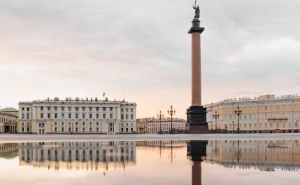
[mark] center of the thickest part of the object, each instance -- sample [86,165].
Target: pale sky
[140,50]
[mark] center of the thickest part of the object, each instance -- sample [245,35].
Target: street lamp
[160,116]
[216,116]
[171,112]
[238,112]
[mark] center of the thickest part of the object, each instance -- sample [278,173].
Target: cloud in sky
[71,48]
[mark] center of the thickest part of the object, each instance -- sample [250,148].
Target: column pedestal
[196,120]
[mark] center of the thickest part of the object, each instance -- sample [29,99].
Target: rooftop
[9,109]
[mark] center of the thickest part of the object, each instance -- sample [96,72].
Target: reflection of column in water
[196,173]
[196,151]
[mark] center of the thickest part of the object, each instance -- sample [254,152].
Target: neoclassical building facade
[8,122]
[77,116]
[264,114]
[154,125]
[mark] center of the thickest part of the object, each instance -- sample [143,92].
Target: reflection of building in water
[166,143]
[79,155]
[8,150]
[196,152]
[263,155]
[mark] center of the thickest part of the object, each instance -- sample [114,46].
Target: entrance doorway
[41,128]
[111,128]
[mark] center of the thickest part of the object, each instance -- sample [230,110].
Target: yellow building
[264,114]
[141,125]
[8,122]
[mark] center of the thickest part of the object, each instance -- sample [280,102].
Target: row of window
[79,108]
[261,116]
[261,107]
[76,116]
[266,125]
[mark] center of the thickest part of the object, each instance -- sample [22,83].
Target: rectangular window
[70,115]
[110,116]
[48,115]
[104,108]
[55,115]
[42,108]
[62,109]
[97,108]
[104,116]
[122,117]
[42,115]
[83,116]
[91,116]
[70,108]
[97,116]
[131,110]
[83,108]
[122,110]
[91,108]
[76,116]
[126,116]
[111,108]
[131,116]
[76,108]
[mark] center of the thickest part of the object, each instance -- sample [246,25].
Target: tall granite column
[196,114]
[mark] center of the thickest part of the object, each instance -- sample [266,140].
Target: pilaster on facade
[77,116]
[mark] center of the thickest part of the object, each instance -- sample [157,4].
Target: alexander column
[196,114]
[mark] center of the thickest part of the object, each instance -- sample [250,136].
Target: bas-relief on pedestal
[196,114]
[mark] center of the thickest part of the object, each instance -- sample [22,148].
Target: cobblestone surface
[16,138]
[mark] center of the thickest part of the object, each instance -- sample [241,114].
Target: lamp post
[216,116]
[171,112]
[160,116]
[238,112]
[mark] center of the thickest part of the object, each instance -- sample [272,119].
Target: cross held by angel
[197,10]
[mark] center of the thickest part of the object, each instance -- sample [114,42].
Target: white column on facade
[94,112]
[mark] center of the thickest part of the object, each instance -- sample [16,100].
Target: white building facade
[89,116]
[154,125]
